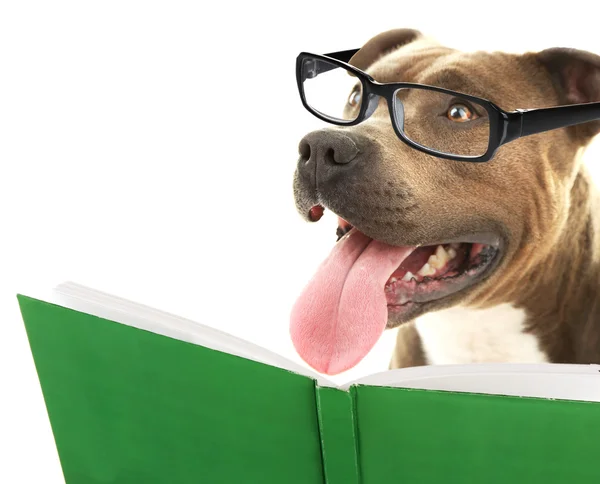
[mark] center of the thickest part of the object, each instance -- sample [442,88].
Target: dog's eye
[461,113]
[355,97]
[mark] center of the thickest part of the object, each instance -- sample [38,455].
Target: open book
[136,395]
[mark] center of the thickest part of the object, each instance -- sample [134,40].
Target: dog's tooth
[441,252]
[393,279]
[451,253]
[408,276]
[439,259]
[433,261]
[426,270]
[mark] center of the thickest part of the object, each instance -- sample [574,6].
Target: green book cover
[135,395]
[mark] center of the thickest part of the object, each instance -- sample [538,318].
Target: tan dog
[532,210]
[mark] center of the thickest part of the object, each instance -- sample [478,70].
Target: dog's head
[479,227]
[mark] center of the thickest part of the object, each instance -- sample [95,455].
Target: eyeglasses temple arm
[539,120]
[344,55]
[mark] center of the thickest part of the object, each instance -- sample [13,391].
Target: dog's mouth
[367,285]
[432,272]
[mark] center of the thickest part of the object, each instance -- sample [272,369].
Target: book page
[113,308]
[554,381]
[570,382]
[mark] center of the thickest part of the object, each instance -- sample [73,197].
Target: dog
[528,219]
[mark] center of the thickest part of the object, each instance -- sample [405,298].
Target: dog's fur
[535,196]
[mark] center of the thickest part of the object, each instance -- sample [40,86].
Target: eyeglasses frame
[504,126]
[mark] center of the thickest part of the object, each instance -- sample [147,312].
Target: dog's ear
[576,76]
[381,44]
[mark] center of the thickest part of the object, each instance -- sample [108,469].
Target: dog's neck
[561,292]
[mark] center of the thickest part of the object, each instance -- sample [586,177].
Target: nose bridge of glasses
[378,92]
[385,92]
[373,101]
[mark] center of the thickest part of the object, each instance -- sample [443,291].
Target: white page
[113,308]
[571,382]
[556,381]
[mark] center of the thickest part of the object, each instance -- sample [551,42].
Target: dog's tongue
[342,312]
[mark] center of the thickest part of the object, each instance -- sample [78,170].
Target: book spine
[338,432]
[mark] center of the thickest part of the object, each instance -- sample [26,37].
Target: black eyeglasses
[437,121]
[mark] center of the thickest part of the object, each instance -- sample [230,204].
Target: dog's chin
[438,275]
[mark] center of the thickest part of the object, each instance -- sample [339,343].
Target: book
[136,395]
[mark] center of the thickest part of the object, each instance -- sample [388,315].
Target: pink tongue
[342,312]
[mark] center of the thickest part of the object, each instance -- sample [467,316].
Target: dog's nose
[327,147]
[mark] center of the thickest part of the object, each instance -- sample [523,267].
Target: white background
[147,149]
